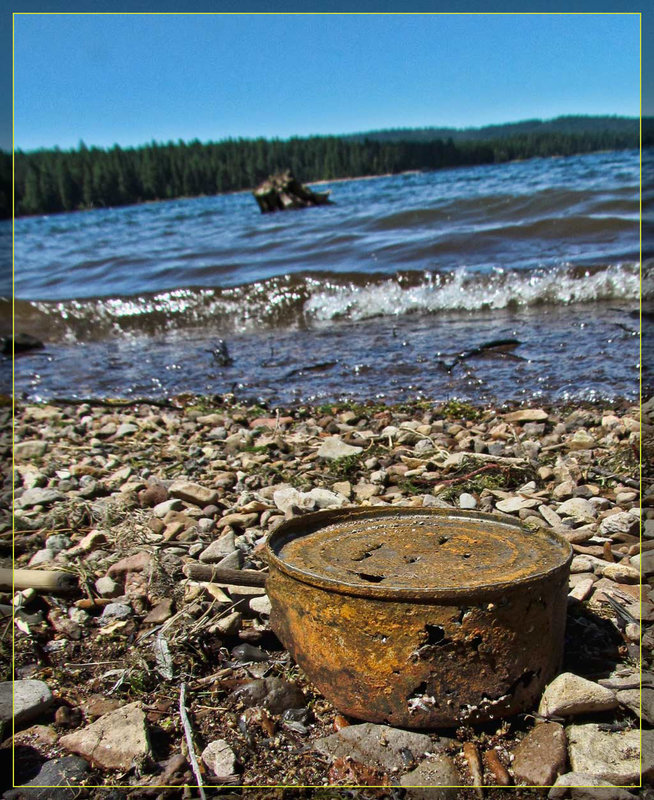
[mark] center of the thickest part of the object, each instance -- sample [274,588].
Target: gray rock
[30,698]
[44,556]
[611,755]
[161,509]
[275,694]
[220,758]
[219,548]
[582,786]
[620,523]
[38,497]
[116,611]
[57,542]
[334,447]
[261,605]
[541,756]
[512,505]
[32,448]
[569,694]
[579,508]
[290,500]
[232,561]
[642,704]
[118,740]
[58,779]
[376,746]
[467,501]
[324,498]
[437,771]
[621,573]
[229,625]
[125,429]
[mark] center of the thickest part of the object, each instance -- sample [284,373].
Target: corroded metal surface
[420,618]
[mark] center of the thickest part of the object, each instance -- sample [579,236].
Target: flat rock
[219,548]
[621,573]
[118,740]
[643,706]
[378,746]
[192,493]
[579,508]
[334,447]
[326,499]
[611,755]
[134,563]
[38,497]
[220,758]
[433,779]
[621,523]
[541,756]
[30,699]
[466,500]
[569,694]
[582,786]
[275,694]
[58,779]
[31,448]
[513,504]
[526,415]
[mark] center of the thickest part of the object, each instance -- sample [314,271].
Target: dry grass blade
[188,733]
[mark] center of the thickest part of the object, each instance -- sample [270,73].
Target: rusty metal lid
[414,553]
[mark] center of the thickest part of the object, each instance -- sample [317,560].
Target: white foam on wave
[464,290]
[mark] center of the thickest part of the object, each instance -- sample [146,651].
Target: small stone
[334,447]
[275,694]
[57,779]
[435,778]
[511,505]
[582,589]
[29,449]
[642,704]
[219,548]
[563,490]
[582,786]
[581,440]
[107,587]
[246,652]
[611,755]
[116,611]
[219,757]
[160,613]
[326,499]
[378,746]
[44,556]
[467,501]
[344,488]
[31,699]
[118,740]
[526,415]
[617,524]
[153,495]
[569,694]
[134,563]
[290,500]
[622,573]
[125,429]
[161,509]
[229,625]
[192,493]
[261,605]
[38,497]
[541,756]
[577,507]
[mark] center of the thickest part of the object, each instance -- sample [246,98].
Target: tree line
[54,180]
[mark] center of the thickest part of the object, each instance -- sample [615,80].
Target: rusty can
[420,617]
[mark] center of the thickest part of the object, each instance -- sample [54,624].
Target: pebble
[541,756]
[29,449]
[31,699]
[622,573]
[621,523]
[570,694]
[579,508]
[611,755]
[435,778]
[247,652]
[107,587]
[334,448]
[117,740]
[219,548]
[38,497]
[275,694]
[219,757]
[377,746]
[467,501]
[583,786]
[116,611]
[57,779]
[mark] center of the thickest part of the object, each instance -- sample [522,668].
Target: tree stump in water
[283,191]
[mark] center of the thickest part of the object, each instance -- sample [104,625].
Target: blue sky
[129,79]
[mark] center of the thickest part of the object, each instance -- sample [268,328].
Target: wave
[311,299]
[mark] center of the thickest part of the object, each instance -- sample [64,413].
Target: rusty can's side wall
[425,664]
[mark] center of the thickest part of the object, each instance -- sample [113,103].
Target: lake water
[373,297]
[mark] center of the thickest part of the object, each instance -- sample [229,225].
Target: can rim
[307,524]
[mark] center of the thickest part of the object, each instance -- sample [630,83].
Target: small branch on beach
[39,579]
[188,733]
[216,574]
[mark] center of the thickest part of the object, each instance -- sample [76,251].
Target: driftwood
[41,580]
[216,574]
[283,191]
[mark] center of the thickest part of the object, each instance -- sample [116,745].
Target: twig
[458,479]
[188,733]
[240,577]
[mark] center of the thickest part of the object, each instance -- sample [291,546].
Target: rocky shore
[131,674]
